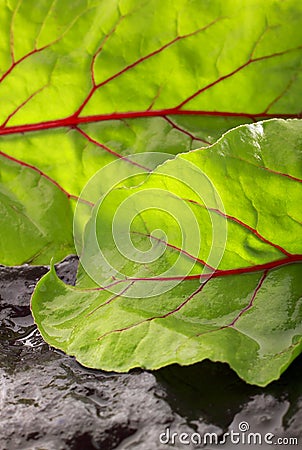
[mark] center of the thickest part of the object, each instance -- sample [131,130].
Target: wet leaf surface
[49,401]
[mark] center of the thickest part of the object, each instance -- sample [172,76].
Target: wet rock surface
[49,402]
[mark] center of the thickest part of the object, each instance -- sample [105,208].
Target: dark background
[49,402]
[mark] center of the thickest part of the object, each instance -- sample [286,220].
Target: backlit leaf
[222,280]
[84,85]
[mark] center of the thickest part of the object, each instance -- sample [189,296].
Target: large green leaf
[83,85]
[35,216]
[221,280]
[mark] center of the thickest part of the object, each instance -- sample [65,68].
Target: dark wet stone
[49,402]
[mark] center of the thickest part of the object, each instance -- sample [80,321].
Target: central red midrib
[73,121]
[181,305]
[221,273]
[290,257]
[216,274]
[197,291]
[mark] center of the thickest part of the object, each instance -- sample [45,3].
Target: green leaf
[35,216]
[201,260]
[83,86]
